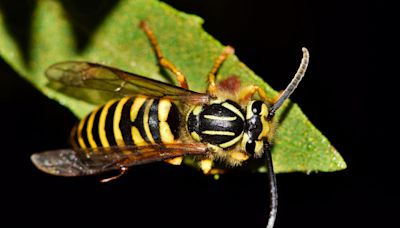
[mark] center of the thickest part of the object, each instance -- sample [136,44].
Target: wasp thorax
[256,127]
[219,123]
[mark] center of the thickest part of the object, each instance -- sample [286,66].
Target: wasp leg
[122,170]
[248,92]
[212,86]
[161,59]
[174,161]
[206,165]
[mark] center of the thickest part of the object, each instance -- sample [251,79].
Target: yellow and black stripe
[220,123]
[129,121]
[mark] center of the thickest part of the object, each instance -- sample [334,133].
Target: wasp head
[257,127]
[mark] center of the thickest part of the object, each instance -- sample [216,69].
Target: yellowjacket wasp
[147,121]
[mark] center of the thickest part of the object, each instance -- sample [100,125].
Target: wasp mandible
[148,120]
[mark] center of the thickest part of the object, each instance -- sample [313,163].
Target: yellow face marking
[258,148]
[165,133]
[146,121]
[102,124]
[117,118]
[137,138]
[223,118]
[249,112]
[231,142]
[90,127]
[233,109]
[210,132]
[195,136]
[163,110]
[264,122]
[80,139]
[265,129]
[137,104]
[264,110]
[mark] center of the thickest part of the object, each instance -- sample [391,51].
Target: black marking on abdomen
[139,122]
[125,124]
[109,125]
[74,138]
[174,120]
[84,132]
[154,122]
[95,128]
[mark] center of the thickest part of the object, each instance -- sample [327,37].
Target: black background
[342,95]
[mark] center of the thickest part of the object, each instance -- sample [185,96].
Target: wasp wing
[98,84]
[82,162]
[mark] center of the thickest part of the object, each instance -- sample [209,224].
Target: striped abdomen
[129,121]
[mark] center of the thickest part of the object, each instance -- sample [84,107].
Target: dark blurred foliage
[344,94]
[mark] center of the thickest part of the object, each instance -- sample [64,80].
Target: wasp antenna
[273,189]
[293,84]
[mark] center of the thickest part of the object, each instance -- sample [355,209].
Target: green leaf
[118,42]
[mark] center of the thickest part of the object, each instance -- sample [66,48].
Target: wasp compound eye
[250,147]
[145,121]
[257,107]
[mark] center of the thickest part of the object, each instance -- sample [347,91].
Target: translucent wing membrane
[83,162]
[98,84]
